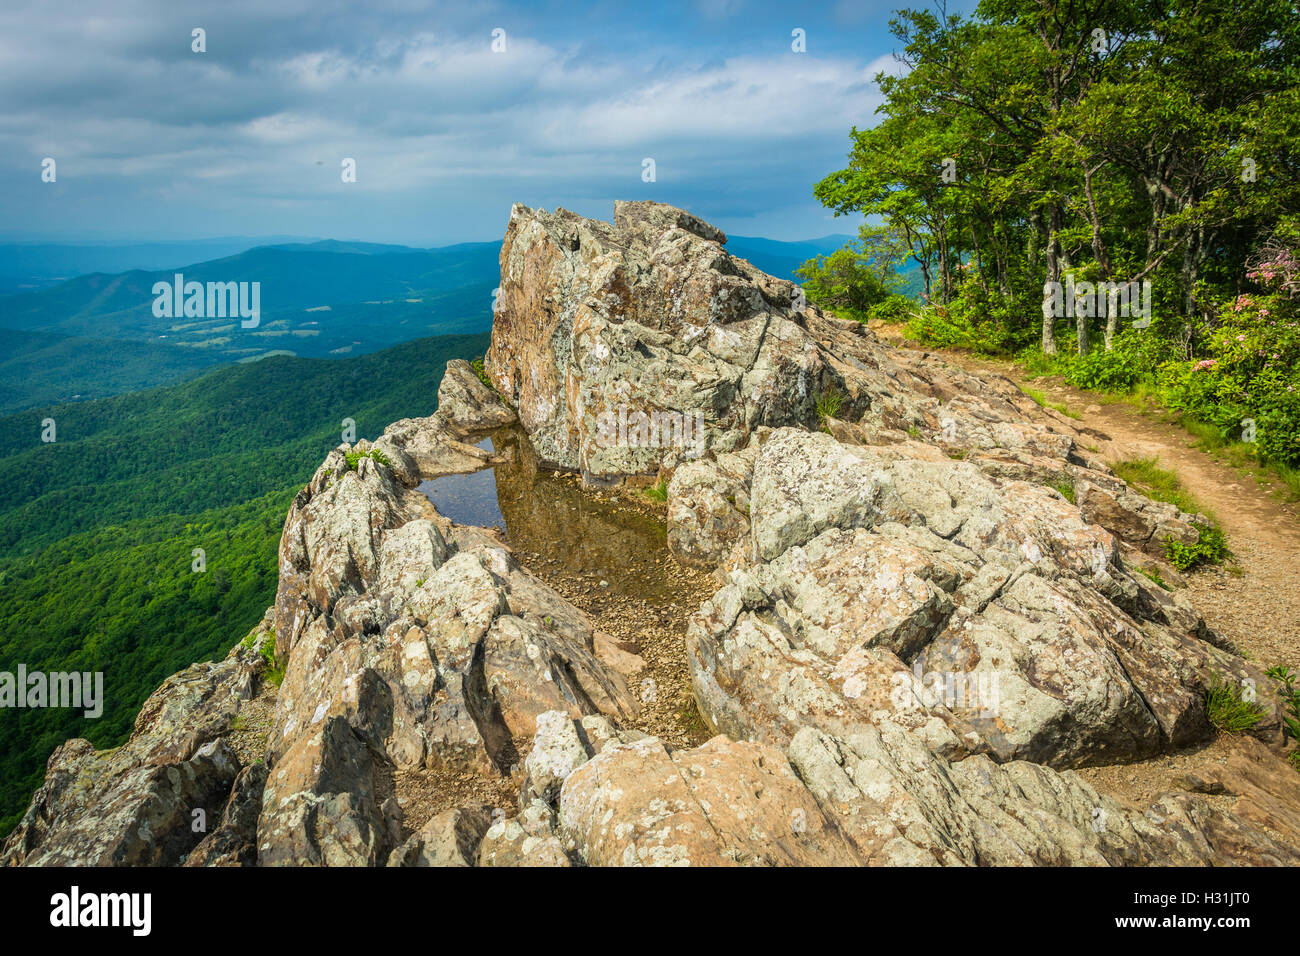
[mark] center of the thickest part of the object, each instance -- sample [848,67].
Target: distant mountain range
[96,334]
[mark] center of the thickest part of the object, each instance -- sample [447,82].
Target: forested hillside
[1042,162]
[100,527]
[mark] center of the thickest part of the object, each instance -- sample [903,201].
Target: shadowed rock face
[912,637]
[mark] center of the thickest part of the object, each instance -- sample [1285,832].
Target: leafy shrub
[1251,372]
[1210,548]
[1291,701]
[894,309]
[1132,358]
[844,282]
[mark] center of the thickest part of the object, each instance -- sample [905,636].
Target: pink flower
[1241,338]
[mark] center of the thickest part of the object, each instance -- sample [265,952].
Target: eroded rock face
[598,325]
[135,805]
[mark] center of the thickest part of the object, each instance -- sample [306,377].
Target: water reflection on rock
[575,532]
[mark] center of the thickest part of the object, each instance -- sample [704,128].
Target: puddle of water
[574,532]
[468,499]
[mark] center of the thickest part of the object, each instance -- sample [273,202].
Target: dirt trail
[1257,606]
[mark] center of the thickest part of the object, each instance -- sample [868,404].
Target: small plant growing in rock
[657,492]
[1154,576]
[1291,701]
[1210,548]
[828,403]
[274,672]
[375,455]
[1066,488]
[481,371]
[1226,709]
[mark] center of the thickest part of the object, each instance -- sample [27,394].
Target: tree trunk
[1053,276]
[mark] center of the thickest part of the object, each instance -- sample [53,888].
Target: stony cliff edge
[913,639]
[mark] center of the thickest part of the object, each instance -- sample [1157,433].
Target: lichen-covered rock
[469,404]
[136,805]
[726,803]
[450,838]
[1028,637]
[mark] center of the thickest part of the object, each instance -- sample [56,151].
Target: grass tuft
[1226,709]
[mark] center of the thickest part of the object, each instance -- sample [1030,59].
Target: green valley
[98,529]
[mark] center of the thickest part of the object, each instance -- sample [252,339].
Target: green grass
[1241,455]
[1226,709]
[657,492]
[1154,575]
[1066,488]
[829,403]
[1041,399]
[1160,484]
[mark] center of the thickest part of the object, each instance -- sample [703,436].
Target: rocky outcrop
[148,802]
[914,636]
[888,587]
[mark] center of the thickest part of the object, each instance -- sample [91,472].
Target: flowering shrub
[1251,375]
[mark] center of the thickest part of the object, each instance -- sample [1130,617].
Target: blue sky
[155,141]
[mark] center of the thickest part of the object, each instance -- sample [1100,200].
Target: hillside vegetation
[100,527]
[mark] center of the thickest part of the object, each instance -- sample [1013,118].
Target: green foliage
[1012,154]
[1066,489]
[959,327]
[1290,694]
[657,492]
[1248,385]
[1040,398]
[1161,484]
[893,309]
[97,530]
[843,282]
[96,335]
[230,436]
[1155,482]
[374,454]
[1226,709]
[481,372]
[829,402]
[1131,361]
[1210,548]
[1154,575]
